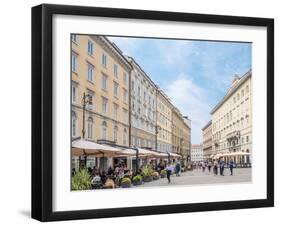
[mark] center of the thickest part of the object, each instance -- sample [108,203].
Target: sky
[194,74]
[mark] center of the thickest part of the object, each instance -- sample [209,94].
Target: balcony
[233,135]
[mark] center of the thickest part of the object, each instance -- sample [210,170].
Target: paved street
[198,177]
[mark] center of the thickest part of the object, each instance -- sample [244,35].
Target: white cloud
[192,101]
[175,53]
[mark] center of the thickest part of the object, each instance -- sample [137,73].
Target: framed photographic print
[145,112]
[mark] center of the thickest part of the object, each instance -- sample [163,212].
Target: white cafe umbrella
[86,147]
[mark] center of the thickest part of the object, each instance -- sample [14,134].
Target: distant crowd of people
[217,166]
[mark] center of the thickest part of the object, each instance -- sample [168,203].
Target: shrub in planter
[163,173]
[147,173]
[81,180]
[155,175]
[125,182]
[137,180]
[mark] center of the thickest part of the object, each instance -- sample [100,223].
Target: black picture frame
[42,111]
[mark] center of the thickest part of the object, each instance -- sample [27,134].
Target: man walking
[209,166]
[231,165]
[221,167]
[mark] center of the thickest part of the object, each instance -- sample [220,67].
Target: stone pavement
[198,177]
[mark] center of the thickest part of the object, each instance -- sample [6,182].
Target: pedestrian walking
[178,168]
[203,166]
[169,170]
[209,166]
[231,165]
[221,164]
[215,167]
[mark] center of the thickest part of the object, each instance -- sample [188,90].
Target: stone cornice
[232,90]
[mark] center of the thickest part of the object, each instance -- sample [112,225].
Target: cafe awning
[82,147]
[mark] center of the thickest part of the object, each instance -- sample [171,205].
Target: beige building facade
[180,134]
[207,140]
[164,122]
[232,122]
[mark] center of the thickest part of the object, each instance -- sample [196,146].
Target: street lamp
[157,129]
[87,99]
[137,158]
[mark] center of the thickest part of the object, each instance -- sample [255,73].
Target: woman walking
[169,170]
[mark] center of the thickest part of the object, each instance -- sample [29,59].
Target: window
[115,111]
[104,60]
[74,38]
[124,136]
[144,96]
[242,93]
[247,89]
[104,105]
[90,47]
[90,128]
[125,116]
[74,124]
[90,73]
[133,85]
[247,138]
[115,70]
[74,92]
[104,130]
[124,96]
[115,89]
[125,78]
[104,82]
[139,93]
[74,62]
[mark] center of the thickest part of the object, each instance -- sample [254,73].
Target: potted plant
[125,182]
[147,173]
[109,183]
[81,180]
[163,173]
[137,180]
[155,175]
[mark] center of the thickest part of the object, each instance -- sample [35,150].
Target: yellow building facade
[101,73]
[232,122]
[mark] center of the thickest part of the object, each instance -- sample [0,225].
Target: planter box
[135,183]
[156,178]
[125,185]
[163,175]
[148,179]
